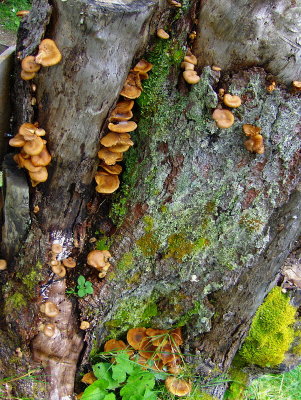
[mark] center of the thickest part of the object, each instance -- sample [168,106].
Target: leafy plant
[125,378]
[8,10]
[83,287]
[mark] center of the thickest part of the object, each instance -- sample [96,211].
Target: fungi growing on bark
[69,262]
[22,13]
[109,157]
[190,75]
[3,265]
[113,345]
[56,248]
[49,330]
[223,118]
[178,387]
[111,169]
[48,54]
[232,101]
[113,138]
[59,269]
[84,325]
[29,64]
[255,142]
[106,183]
[136,337]
[99,260]
[122,126]
[49,309]
[162,34]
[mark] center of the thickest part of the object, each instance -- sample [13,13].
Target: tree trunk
[200,227]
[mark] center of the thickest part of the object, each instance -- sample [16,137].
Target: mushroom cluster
[47,56]
[118,139]
[161,347]
[223,117]
[255,141]
[34,155]
[99,260]
[189,63]
[59,267]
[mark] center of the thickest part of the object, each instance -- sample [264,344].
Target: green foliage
[238,385]
[124,378]
[83,287]
[271,333]
[8,10]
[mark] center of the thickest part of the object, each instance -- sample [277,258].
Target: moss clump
[148,223]
[14,302]
[198,394]
[271,333]
[193,311]
[103,243]
[178,246]
[31,278]
[148,244]
[126,262]
[237,387]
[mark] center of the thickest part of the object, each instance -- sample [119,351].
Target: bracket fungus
[106,183]
[223,118]
[255,142]
[99,260]
[190,75]
[109,157]
[162,34]
[48,54]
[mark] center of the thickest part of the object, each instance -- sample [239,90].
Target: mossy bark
[200,226]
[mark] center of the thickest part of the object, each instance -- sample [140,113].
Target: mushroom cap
[29,64]
[251,130]
[89,378]
[98,258]
[26,76]
[255,144]
[190,58]
[122,126]
[136,337]
[191,77]
[106,183]
[174,367]
[112,169]
[119,148]
[176,336]
[143,65]
[162,34]
[39,176]
[17,141]
[123,106]
[223,118]
[178,387]
[50,309]
[158,336]
[3,264]
[216,68]
[113,138]
[59,269]
[27,163]
[22,13]
[232,101]
[187,66]
[27,130]
[49,330]
[56,248]
[120,116]
[148,350]
[169,353]
[42,159]
[114,345]
[34,147]
[109,157]
[296,85]
[130,92]
[69,262]
[84,325]
[48,54]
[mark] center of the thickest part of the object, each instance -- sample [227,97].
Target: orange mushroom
[178,387]
[136,337]
[122,126]
[109,157]
[48,54]
[223,118]
[29,64]
[232,101]
[106,183]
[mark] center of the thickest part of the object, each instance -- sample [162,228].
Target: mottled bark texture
[202,226]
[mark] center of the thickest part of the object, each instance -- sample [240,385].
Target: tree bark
[200,227]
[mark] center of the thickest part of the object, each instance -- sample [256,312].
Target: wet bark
[201,226]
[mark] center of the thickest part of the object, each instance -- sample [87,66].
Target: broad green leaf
[149,395]
[122,367]
[81,280]
[96,391]
[89,290]
[81,292]
[88,284]
[110,396]
[118,373]
[136,385]
[103,371]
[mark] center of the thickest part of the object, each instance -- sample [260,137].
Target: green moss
[126,262]
[31,278]
[271,333]
[14,302]
[178,246]
[103,244]
[201,243]
[148,223]
[148,244]
[187,316]
[237,387]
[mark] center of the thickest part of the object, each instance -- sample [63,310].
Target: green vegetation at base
[271,333]
[8,9]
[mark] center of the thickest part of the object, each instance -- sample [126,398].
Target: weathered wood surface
[241,34]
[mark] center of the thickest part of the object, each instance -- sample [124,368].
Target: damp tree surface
[198,229]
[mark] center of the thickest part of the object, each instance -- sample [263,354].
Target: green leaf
[149,395]
[110,396]
[81,292]
[88,284]
[81,280]
[89,290]
[136,385]
[96,391]
[103,371]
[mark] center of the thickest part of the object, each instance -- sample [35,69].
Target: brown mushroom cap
[113,138]
[251,130]
[296,85]
[49,330]
[255,144]
[17,141]
[56,248]
[48,54]
[112,169]
[109,157]
[69,262]
[178,387]
[169,353]
[39,176]
[119,148]
[106,183]
[3,265]
[232,101]
[114,345]
[123,106]
[120,116]
[26,76]
[162,34]
[122,126]
[49,309]
[191,59]
[148,350]
[158,336]
[42,159]
[143,65]
[187,66]
[191,77]
[34,147]
[130,92]
[29,64]
[98,259]
[27,163]
[223,118]
[27,130]
[176,336]
[84,325]
[22,13]
[89,378]
[59,270]
[136,337]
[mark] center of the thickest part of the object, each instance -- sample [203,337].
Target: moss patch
[14,302]
[271,333]
[31,278]
[148,244]
[126,262]
[237,387]
[178,246]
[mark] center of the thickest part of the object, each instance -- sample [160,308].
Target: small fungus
[113,138]
[29,64]
[190,58]
[26,76]
[38,176]
[143,66]
[84,325]
[89,378]
[114,345]
[232,101]
[251,130]
[99,259]
[192,35]
[187,66]
[223,118]
[69,262]
[106,183]
[49,309]
[271,87]
[17,141]
[119,148]
[162,34]
[112,169]
[123,106]
[122,126]
[132,88]
[191,77]
[27,130]
[22,13]
[147,349]
[255,142]
[136,337]
[296,86]
[216,68]
[49,330]
[178,387]
[3,265]
[42,159]
[56,248]
[48,54]
[59,270]
[36,209]
[175,3]
[34,147]
[120,116]
[109,157]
